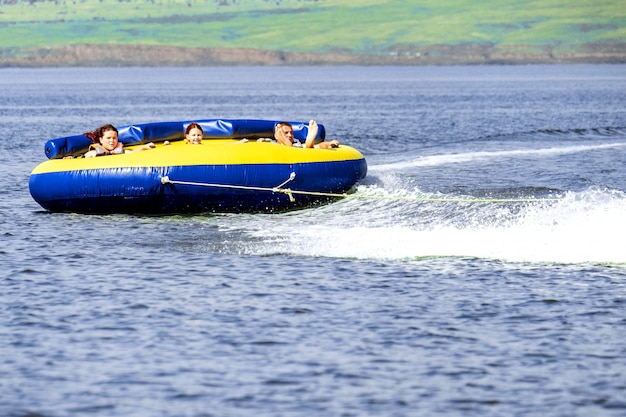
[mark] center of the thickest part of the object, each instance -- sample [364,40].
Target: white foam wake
[437,160]
[581,228]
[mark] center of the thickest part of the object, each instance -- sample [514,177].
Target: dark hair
[97,134]
[193,125]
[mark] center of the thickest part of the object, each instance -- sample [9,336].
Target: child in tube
[106,142]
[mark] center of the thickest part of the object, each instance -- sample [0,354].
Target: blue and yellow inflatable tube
[219,175]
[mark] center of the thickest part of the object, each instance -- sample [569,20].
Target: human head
[106,136]
[283,132]
[194,134]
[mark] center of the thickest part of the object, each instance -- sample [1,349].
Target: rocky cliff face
[141,55]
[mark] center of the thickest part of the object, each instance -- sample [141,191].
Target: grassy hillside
[361,27]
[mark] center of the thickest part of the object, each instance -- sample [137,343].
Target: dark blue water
[479,270]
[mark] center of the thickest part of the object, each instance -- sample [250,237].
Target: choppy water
[423,295]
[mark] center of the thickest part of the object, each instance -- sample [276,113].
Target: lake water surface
[479,270]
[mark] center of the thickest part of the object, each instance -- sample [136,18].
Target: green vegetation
[377,27]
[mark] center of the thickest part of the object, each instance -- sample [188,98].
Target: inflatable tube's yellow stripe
[210,152]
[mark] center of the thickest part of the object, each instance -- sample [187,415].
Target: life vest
[296,143]
[100,151]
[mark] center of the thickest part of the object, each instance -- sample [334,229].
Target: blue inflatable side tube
[160,132]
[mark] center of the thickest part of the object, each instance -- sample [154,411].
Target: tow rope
[290,193]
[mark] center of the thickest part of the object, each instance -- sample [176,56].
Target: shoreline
[146,55]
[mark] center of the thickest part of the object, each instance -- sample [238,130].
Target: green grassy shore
[305,32]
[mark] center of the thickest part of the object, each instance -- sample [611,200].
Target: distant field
[373,27]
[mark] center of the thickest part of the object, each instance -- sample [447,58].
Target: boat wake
[580,227]
[391,217]
[437,160]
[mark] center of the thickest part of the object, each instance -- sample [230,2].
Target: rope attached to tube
[290,193]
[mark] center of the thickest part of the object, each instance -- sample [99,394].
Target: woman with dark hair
[106,142]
